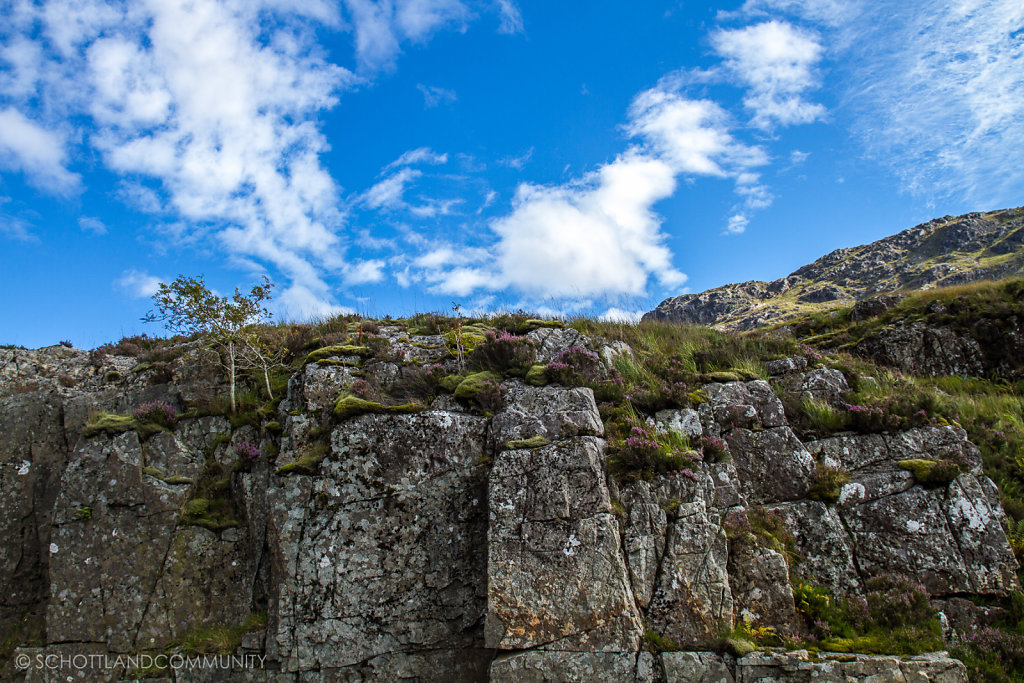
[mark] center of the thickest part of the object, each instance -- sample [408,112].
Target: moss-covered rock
[450,382]
[337,350]
[532,442]
[307,463]
[932,473]
[473,384]
[348,405]
[537,375]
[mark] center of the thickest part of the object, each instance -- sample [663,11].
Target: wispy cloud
[775,61]
[387,194]
[511,17]
[420,155]
[934,91]
[434,96]
[93,225]
[381,27]
[517,162]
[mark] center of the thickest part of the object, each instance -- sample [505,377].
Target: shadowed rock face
[945,251]
[422,547]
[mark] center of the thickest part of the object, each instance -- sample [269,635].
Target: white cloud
[599,235]
[434,96]
[387,194]
[138,283]
[737,224]
[93,225]
[796,157]
[298,302]
[420,155]
[365,272]
[381,27]
[39,153]
[511,17]
[619,315]
[775,61]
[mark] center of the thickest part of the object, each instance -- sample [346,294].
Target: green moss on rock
[532,442]
[337,350]
[931,472]
[473,384]
[348,405]
[537,375]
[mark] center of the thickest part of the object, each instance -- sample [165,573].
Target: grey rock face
[552,341]
[729,400]
[785,366]
[383,553]
[549,412]
[759,579]
[773,465]
[824,544]
[420,547]
[693,602]
[556,575]
[821,384]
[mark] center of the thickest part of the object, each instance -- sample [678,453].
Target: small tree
[226,325]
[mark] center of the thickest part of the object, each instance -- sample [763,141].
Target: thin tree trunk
[231,360]
[266,377]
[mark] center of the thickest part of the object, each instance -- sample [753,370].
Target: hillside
[942,252]
[510,499]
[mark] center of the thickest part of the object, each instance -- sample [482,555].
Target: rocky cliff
[470,536]
[942,252]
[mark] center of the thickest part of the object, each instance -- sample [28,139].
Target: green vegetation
[112,424]
[308,462]
[934,473]
[473,384]
[826,483]
[83,514]
[211,506]
[337,350]
[655,642]
[220,640]
[894,617]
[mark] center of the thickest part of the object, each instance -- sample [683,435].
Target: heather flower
[157,412]
[248,450]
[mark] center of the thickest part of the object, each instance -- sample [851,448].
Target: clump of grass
[655,642]
[112,424]
[822,417]
[212,506]
[827,483]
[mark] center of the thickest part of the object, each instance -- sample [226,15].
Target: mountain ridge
[944,251]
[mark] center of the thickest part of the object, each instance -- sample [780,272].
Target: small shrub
[575,367]
[66,343]
[637,452]
[655,642]
[991,655]
[827,483]
[715,449]
[157,412]
[247,451]
[503,353]
[491,397]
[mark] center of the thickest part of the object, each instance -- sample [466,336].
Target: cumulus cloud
[737,224]
[39,153]
[138,283]
[434,96]
[365,272]
[775,61]
[618,315]
[599,234]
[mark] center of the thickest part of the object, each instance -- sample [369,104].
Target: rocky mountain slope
[942,252]
[500,525]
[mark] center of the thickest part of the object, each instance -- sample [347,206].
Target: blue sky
[398,156]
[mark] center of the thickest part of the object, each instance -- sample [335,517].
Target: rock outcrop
[448,544]
[945,251]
